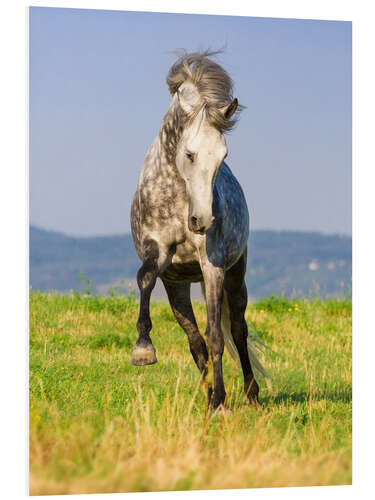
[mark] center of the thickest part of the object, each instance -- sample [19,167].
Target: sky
[98,96]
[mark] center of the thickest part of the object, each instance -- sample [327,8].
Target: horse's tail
[252,341]
[226,329]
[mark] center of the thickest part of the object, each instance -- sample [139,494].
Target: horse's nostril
[196,225]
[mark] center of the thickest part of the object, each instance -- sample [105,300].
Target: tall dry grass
[99,425]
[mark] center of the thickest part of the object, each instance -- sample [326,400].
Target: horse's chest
[185,253]
[163,204]
[184,266]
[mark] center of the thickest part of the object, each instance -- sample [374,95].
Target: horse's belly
[184,266]
[189,272]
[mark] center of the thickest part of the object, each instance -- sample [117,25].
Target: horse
[190,223]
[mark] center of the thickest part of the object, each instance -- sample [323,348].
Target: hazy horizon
[260,229]
[98,95]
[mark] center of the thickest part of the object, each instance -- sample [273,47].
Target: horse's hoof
[253,402]
[222,411]
[143,355]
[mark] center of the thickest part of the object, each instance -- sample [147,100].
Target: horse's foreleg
[144,351]
[179,299]
[213,281]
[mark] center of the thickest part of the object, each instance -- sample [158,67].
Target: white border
[333,10]
[14,205]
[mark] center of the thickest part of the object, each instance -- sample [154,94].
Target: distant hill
[289,262]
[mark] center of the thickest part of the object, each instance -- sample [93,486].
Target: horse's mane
[213,83]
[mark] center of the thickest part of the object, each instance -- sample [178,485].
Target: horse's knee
[147,274]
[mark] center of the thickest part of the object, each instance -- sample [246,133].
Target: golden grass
[98,425]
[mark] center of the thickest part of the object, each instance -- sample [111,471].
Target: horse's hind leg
[144,351]
[179,299]
[235,287]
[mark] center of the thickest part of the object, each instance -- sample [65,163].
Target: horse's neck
[170,132]
[159,170]
[160,159]
[159,179]
[156,163]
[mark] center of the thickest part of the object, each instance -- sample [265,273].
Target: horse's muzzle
[198,225]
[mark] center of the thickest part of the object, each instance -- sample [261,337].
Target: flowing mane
[213,83]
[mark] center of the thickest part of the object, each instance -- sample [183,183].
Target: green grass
[99,424]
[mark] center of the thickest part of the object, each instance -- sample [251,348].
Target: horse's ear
[229,110]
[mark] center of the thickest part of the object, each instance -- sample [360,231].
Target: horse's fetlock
[217,399]
[251,388]
[144,327]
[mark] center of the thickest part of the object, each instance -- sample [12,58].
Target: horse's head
[199,155]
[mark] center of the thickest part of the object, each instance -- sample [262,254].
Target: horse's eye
[190,156]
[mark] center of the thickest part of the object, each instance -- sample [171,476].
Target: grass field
[99,424]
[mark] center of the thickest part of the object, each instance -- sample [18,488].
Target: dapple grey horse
[190,223]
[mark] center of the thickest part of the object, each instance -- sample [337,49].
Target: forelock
[212,82]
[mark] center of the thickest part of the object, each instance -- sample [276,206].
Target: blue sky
[98,95]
